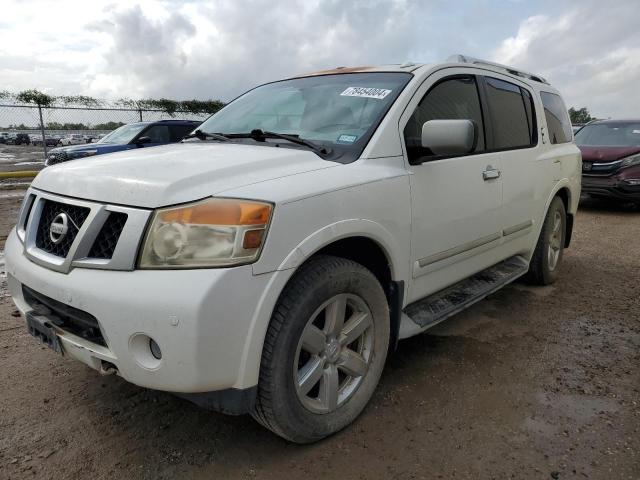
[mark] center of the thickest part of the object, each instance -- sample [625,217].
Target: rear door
[513,138]
[455,200]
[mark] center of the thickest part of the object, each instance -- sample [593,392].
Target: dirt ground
[531,383]
[21,157]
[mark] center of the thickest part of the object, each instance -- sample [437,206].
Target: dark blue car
[132,135]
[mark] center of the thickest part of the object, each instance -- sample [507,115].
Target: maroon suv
[611,159]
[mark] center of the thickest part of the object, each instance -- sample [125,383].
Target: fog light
[155,349]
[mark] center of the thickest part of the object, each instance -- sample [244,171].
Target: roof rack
[513,71]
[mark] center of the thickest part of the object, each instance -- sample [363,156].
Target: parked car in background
[99,137]
[19,139]
[611,159]
[49,140]
[73,139]
[133,135]
[268,264]
[4,136]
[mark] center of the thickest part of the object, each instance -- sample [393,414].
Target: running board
[441,305]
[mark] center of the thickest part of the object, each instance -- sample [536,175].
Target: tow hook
[107,368]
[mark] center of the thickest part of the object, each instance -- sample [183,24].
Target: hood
[100,147]
[176,173]
[606,154]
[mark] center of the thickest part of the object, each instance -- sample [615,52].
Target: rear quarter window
[555,112]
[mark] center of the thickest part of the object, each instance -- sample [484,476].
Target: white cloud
[590,52]
[219,48]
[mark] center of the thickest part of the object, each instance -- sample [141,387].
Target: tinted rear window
[511,120]
[558,123]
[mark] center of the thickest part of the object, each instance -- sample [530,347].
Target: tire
[307,411]
[547,257]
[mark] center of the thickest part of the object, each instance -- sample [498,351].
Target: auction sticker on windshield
[366,92]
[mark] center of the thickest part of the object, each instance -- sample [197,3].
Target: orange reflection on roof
[337,70]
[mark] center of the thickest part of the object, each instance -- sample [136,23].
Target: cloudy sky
[589,49]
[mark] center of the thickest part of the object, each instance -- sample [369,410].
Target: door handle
[490,173]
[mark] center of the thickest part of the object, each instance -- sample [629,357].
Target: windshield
[124,134]
[610,135]
[340,112]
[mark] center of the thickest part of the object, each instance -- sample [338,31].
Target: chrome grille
[57,157]
[50,210]
[98,235]
[107,238]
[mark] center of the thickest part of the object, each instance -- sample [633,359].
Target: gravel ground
[530,383]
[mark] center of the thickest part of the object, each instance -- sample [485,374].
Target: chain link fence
[37,128]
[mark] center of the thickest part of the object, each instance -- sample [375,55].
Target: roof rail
[176,120]
[513,71]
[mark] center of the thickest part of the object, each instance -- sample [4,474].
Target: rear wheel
[547,257]
[324,351]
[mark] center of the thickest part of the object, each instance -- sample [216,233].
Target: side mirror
[449,137]
[143,140]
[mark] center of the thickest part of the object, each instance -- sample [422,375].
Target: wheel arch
[562,190]
[565,195]
[359,240]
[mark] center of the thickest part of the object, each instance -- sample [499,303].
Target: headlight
[215,232]
[630,161]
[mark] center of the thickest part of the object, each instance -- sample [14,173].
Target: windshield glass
[610,135]
[340,112]
[124,134]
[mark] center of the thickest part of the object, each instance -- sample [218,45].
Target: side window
[452,99]
[511,120]
[178,132]
[158,134]
[558,123]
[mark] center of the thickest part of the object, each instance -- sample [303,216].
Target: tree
[580,116]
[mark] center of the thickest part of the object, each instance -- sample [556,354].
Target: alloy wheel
[333,353]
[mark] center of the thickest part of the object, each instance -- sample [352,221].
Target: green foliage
[35,97]
[580,116]
[65,126]
[168,106]
[201,106]
[79,100]
[172,106]
[107,126]
[82,126]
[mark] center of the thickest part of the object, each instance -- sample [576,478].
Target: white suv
[269,263]
[73,139]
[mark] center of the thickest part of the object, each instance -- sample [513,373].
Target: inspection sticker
[347,138]
[366,92]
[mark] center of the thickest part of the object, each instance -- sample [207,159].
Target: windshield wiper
[204,135]
[261,135]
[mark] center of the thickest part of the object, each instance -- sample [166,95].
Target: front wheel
[547,257]
[324,351]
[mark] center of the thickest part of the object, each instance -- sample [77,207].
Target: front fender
[340,230]
[250,368]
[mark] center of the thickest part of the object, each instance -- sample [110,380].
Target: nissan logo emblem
[59,228]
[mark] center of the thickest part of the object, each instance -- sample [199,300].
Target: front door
[455,200]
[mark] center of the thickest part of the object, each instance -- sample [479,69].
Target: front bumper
[204,320]
[612,187]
